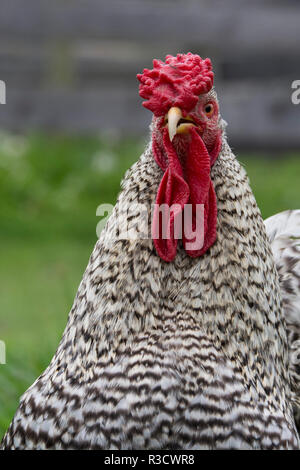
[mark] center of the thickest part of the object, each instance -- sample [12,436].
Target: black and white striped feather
[284,234]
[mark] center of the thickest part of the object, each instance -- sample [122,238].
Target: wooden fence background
[70,65]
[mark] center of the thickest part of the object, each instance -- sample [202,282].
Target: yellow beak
[174,126]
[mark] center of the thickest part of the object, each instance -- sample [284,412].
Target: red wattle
[172,190]
[189,186]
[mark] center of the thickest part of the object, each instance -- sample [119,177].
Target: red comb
[176,82]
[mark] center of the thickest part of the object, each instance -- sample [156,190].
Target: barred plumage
[185,355]
[284,234]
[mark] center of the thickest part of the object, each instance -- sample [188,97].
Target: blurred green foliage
[53,184]
[50,187]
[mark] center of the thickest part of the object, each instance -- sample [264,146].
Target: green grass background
[50,187]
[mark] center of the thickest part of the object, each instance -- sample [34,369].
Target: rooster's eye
[209,109]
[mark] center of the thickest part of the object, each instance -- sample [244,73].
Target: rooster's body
[188,354]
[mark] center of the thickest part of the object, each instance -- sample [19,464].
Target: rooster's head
[186,141]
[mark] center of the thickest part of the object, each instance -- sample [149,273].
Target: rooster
[178,341]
